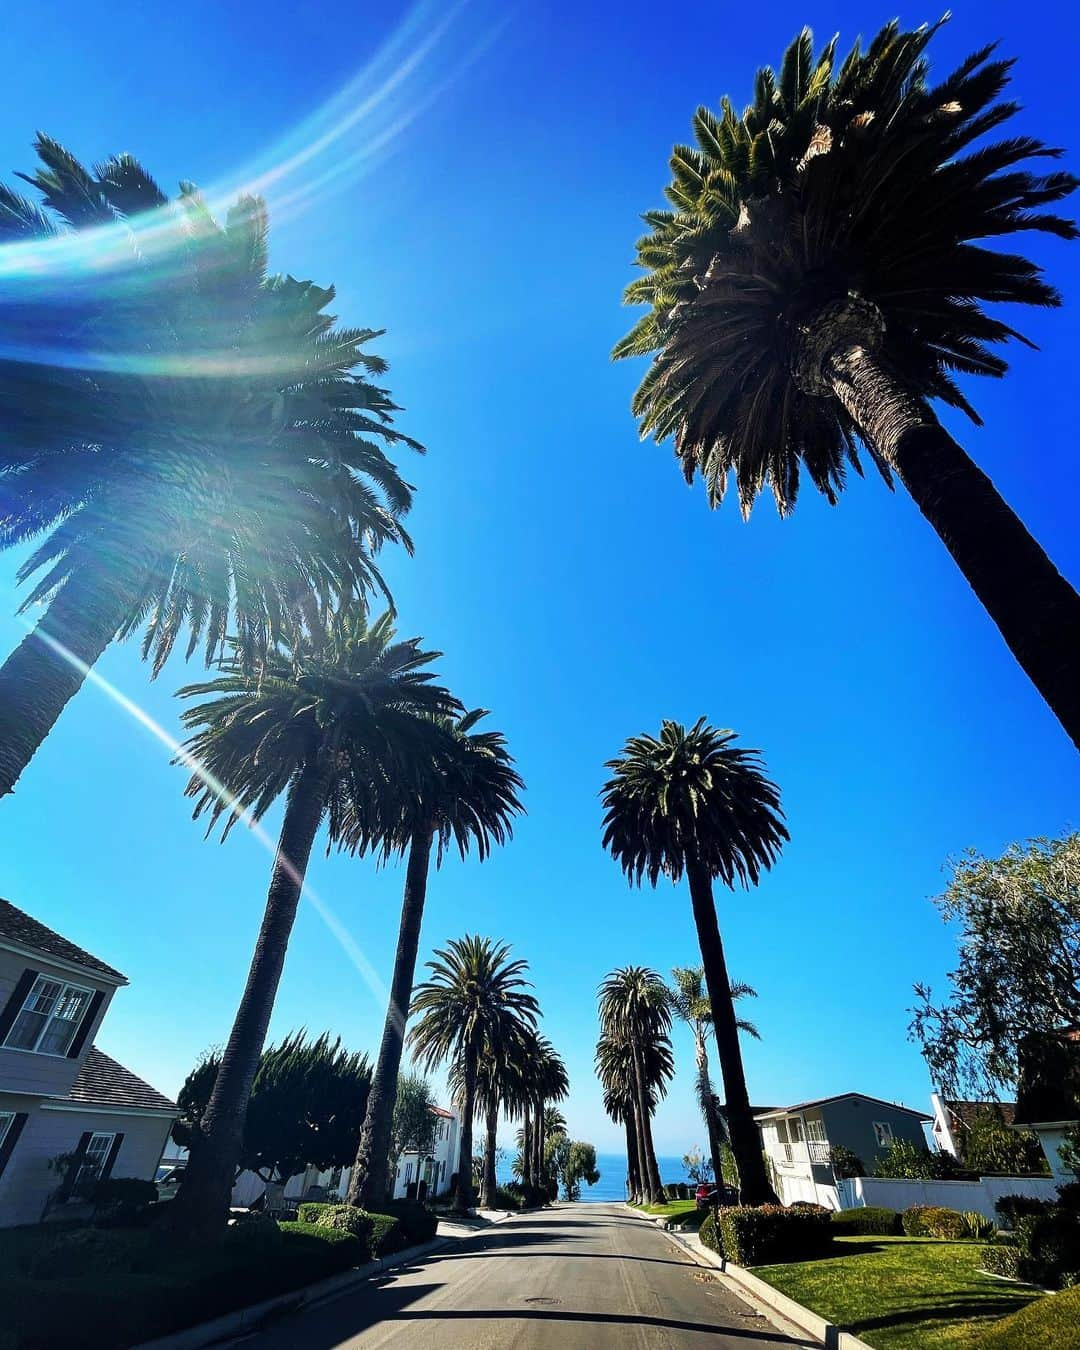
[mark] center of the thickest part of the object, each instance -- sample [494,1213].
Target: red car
[707,1195]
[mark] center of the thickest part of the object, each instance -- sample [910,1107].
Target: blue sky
[483,210]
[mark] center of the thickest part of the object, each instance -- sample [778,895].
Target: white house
[1048,1098]
[798,1140]
[69,1115]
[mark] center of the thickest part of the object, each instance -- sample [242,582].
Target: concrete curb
[244,1320]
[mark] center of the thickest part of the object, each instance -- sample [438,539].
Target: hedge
[381,1234]
[1010,1208]
[768,1234]
[944,1223]
[1001,1258]
[418,1223]
[913,1220]
[874,1220]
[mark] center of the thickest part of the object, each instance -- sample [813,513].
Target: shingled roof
[103,1082]
[17,926]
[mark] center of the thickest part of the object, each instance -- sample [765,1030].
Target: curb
[750,1286]
[244,1320]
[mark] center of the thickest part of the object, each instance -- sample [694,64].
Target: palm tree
[500,1083]
[211,459]
[692,802]
[803,299]
[467,794]
[473,993]
[690,1003]
[550,1084]
[320,722]
[635,1015]
[615,1070]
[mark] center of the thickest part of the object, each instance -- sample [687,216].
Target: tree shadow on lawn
[963,1310]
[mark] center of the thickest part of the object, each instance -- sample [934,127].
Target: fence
[962,1195]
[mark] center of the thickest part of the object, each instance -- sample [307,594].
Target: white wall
[962,1195]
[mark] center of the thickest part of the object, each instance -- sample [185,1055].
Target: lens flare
[336,928]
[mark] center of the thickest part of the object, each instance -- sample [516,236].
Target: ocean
[612,1169]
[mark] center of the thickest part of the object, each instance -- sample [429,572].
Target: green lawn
[902,1293]
[683,1213]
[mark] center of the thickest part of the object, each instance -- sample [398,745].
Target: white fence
[962,1195]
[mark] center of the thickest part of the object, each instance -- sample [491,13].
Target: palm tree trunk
[654,1192]
[633,1171]
[526,1147]
[487,1197]
[49,665]
[203,1201]
[1034,607]
[745,1141]
[538,1143]
[708,1106]
[370,1173]
[463,1196]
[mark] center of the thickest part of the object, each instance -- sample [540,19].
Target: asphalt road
[576,1277]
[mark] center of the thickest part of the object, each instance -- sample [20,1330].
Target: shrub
[310,1210]
[976,1226]
[386,1236]
[1001,1259]
[944,1223]
[845,1162]
[254,1234]
[1068,1196]
[506,1198]
[808,1207]
[1050,1247]
[418,1223]
[1011,1208]
[684,1191]
[913,1220]
[909,1161]
[708,1234]
[133,1191]
[78,1251]
[871,1220]
[346,1219]
[769,1234]
[1045,1324]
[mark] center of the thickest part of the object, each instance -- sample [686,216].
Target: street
[576,1277]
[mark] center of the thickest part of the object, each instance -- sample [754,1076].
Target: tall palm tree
[473,992]
[615,1070]
[692,802]
[467,795]
[635,1014]
[499,1086]
[318,722]
[210,454]
[803,299]
[690,1003]
[550,1084]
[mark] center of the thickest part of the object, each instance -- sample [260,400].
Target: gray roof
[19,927]
[103,1082]
[842,1096]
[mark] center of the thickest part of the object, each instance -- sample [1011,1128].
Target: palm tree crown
[217,445]
[691,795]
[349,701]
[813,203]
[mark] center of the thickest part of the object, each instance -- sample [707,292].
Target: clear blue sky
[484,209]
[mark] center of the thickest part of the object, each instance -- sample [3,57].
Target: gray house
[69,1115]
[797,1140]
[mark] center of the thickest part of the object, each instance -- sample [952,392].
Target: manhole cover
[543,1300]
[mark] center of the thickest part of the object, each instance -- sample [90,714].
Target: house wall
[961,1195]
[44,1075]
[850,1123]
[1051,1137]
[27,1182]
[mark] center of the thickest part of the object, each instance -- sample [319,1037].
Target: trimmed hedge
[1011,1208]
[418,1223]
[913,1220]
[310,1210]
[380,1234]
[1049,1246]
[944,1223]
[768,1234]
[1001,1258]
[871,1220]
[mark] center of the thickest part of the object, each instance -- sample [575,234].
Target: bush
[1050,1247]
[769,1234]
[909,1161]
[944,1223]
[1011,1208]
[346,1219]
[505,1198]
[1068,1196]
[684,1191]
[913,1220]
[310,1210]
[708,1234]
[78,1251]
[1001,1259]
[871,1220]
[386,1236]
[254,1234]
[418,1223]
[846,1162]
[809,1207]
[976,1226]
[1046,1324]
[124,1191]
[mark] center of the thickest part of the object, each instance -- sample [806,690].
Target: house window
[6,1117]
[91,1164]
[408,1173]
[815,1130]
[883,1133]
[796,1130]
[50,1017]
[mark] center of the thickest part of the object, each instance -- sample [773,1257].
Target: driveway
[575,1277]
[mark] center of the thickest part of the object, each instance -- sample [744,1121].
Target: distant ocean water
[612,1169]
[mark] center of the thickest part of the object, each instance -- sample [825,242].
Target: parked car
[708,1195]
[168,1181]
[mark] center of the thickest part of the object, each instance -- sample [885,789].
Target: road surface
[575,1277]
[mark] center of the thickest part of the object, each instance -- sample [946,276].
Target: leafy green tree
[1019,970]
[911,1162]
[307,1099]
[322,723]
[413,1123]
[988,1144]
[692,803]
[465,795]
[635,1038]
[690,1003]
[216,463]
[803,298]
[571,1162]
[473,991]
[699,1168]
[846,1162]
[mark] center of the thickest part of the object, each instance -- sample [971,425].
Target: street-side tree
[827,267]
[635,1028]
[413,1124]
[1018,917]
[209,456]
[465,794]
[690,802]
[699,1167]
[473,991]
[319,722]
[572,1163]
[306,1097]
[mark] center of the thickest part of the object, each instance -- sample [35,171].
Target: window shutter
[106,1171]
[85,1025]
[11,1138]
[13,1007]
[68,1184]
